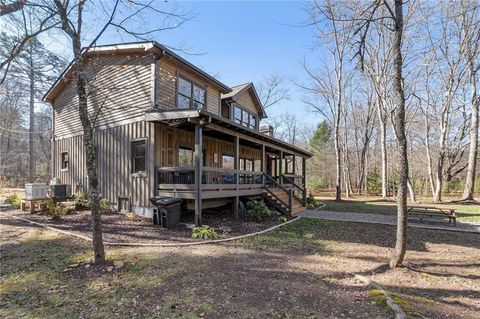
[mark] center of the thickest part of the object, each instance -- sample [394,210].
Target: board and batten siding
[245,100]
[167,74]
[114,163]
[120,88]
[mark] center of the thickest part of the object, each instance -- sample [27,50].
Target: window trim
[64,169]
[191,98]
[132,161]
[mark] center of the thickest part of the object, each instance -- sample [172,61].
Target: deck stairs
[288,199]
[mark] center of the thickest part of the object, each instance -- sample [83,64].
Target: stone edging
[194,243]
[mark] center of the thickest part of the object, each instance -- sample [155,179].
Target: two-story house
[165,127]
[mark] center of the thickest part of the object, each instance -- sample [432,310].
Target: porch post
[304,180]
[294,164]
[198,174]
[264,160]
[280,167]
[237,176]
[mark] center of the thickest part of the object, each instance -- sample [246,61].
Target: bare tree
[272,91]
[471,16]
[126,16]
[6,8]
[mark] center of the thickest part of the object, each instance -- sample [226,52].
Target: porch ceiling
[220,127]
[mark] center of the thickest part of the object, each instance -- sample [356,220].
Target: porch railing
[171,177]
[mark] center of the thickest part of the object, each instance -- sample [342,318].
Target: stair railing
[278,185]
[301,189]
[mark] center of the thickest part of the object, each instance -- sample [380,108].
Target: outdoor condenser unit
[60,190]
[36,191]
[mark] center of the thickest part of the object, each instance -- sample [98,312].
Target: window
[228,161]
[64,157]
[249,165]
[244,118]
[238,115]
[253,122]
[189,95]
[138,156]
[185,156]
[258,165]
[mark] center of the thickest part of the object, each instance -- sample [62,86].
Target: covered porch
[202,157]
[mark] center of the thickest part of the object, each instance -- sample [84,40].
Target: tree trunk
[90,152]
[472,155]
[401,242]
[31,157]
[338,181]
[383,136]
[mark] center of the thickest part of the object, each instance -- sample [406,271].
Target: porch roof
[210,118]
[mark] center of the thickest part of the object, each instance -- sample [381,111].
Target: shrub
[104,204]
[282,219]
[13,200]
[311,202]
[258,211]
[204,232]
[54,210]
[82,201]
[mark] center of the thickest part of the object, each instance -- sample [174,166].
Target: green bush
[56,211]
[282,219]
[104,204]
[258,211]
[13,200]
[82,201]
[318,184]
[311,202]
[204,232]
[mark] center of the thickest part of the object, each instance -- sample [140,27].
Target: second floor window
[190,95]
[244,118]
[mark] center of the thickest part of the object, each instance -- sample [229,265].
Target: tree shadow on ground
[255,277]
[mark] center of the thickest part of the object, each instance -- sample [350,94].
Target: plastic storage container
[168,211]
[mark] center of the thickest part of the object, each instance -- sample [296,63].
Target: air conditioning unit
[36,191]
[60,190]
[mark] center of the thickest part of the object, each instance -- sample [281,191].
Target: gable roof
[243,88]
[134,47]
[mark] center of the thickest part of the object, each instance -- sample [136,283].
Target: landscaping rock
[109,268]
[118,264]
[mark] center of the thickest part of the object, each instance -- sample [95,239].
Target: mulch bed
[118,227]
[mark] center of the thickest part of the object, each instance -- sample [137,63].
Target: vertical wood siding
[167,86]
[120,88]
[168,140]
[114,163]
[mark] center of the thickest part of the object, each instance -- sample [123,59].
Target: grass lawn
[465,212]
[302,270]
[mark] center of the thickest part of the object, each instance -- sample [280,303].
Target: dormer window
[190,95]
[244,118]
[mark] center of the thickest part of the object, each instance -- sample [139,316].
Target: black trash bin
[168,211]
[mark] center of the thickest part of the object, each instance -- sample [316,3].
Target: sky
[245,41]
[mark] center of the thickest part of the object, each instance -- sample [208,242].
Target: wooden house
[165,127]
